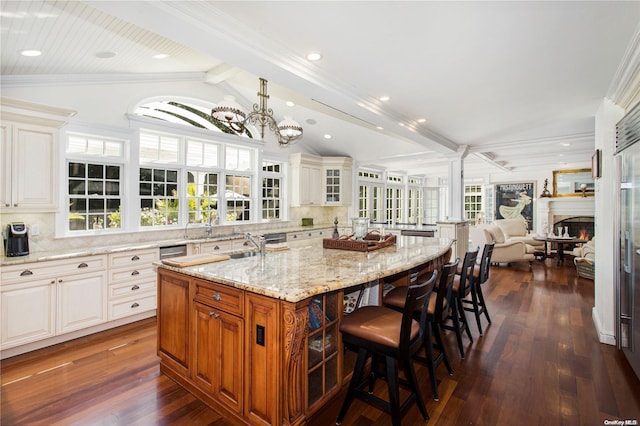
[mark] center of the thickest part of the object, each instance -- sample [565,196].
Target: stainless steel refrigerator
[628,286]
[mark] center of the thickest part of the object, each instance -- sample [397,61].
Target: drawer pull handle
[26,272]
[216,296]
[213,314]
[135,287]
[135,258]
[83,265]
[135,305]
[216,248]
[246,243]
[135,273]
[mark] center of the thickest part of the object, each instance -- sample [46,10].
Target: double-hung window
[272,178]
[94,176]
[159,179]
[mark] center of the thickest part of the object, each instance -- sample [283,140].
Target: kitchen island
[257,337]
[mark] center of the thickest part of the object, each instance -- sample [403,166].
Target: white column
[456,183]
[605,218]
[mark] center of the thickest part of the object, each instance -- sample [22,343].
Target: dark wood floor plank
[538,363]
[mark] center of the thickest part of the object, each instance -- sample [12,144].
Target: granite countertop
[307,269]
[43,256]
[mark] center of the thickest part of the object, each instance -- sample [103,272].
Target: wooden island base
[258,359]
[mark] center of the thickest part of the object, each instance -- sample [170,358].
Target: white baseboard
[605,337]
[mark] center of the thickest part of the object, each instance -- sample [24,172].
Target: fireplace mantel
[547,208]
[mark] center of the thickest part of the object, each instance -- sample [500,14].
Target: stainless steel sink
[243,254]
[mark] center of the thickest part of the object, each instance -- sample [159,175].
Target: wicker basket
[369,243]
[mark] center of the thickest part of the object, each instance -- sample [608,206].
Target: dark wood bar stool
[382,332]
[480,275]
[436,313]
[461,288]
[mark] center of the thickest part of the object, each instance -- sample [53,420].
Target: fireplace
[577,226]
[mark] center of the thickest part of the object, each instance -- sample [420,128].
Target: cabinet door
[228,360]
[173,320]
[203,347]
[33,167]
[82,301]
[28,313]
[218,358]
[310,185]
[5,163]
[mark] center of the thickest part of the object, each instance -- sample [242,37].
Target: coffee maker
[16,240]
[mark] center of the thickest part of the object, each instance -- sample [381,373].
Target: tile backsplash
[46,240]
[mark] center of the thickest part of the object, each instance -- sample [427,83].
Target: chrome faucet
[261,244]
[209,225]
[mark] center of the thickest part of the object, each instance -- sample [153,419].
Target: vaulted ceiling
[518,81]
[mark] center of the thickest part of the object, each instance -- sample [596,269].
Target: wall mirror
[573,183]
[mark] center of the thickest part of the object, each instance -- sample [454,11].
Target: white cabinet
[28,161]
[306,183]
[337,176]
[82,301]
[45,299]
[221,246]
[320,181]
[28,146]
[28,312]
[132,282]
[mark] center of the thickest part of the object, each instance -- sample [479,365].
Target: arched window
[183,111]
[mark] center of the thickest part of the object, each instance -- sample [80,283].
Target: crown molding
[23,111]
[624,89]
[38,80]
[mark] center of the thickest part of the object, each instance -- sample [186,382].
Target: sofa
[584,259]
[507,249]
[516,230]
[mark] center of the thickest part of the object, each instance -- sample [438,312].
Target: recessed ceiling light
[379,127]
[105,54]
[327,136]
[565,144]
[310,121]
[290,104]
[384,98]
[422,120]
[314,56]
[30,52]
[160,56]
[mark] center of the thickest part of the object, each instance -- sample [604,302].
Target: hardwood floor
[540,362]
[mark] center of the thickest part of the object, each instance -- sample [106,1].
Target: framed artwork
[515,200]
[596,164]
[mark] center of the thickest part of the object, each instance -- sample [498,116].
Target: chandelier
[230,112]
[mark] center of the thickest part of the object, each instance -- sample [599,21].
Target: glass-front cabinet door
[322,345]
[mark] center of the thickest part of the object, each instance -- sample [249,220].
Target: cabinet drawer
[133,257]
[142,273]
[28,272]
[124,308]
[216,246]
[134,288]
[228,299]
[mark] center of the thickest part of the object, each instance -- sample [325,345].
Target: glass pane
[158,175]
[77,205]
[315,386]
[145,189]
[96,205]
[172,176]
[145,175]
[112,188]
[113,149]
[76,187]
[95,171]
[112,172]
[158,189]
[96,187]
[77,170]
[77,223]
